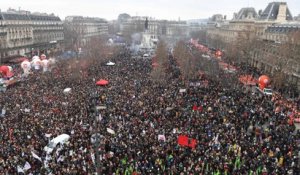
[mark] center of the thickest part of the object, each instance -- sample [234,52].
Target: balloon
[10,68]
[43,56]
[45,65]
[263,81]
[36,63]
[35,57]
[52,62]
[5,71]
[26,65]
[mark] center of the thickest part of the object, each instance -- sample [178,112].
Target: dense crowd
[236,131]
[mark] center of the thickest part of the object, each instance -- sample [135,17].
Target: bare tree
[97,49]
[286,59]
[201,35]
[73,33]
[158,73]
[185,61]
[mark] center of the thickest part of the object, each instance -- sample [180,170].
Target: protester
[114,129]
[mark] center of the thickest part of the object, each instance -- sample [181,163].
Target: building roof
[84,19]
[271,11]
[44,18]
[246,14]
[15,16]
[27,16]
[217,18]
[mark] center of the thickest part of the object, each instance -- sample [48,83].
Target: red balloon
[4,70]
[263,81]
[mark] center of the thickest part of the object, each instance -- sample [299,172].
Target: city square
[140,95]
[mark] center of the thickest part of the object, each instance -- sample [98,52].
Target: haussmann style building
[23,33]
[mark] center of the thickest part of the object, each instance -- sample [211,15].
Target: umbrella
[102,82]
[67,90]
[110,63]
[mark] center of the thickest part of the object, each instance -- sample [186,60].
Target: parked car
[265,91]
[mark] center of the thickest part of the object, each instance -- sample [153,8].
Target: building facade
[270,31]
[24,34]
[48,33]
[81,29]
[240,27]
[279,51]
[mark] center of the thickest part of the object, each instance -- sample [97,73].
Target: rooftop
[84,19]
[271,11]
[246,14]
[12,14]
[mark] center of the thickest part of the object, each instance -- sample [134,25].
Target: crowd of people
[236,132]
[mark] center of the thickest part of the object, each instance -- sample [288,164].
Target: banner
[161,137]
[183,140]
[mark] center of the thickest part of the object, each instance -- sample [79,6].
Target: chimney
[281,17]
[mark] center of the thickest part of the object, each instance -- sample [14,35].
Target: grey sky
[160,9]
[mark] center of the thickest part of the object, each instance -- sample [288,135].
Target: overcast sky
[159,9]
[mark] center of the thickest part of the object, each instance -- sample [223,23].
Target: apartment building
[23,33]
[82,29]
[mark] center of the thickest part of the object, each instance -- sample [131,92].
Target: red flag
[192,143]
[195,108]
[183,140]
[200,108]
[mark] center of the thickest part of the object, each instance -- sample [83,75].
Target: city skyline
[184,10]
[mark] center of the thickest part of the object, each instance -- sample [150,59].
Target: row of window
[22,42]
[20,22]
[281,38]
[48,38]
[48,28]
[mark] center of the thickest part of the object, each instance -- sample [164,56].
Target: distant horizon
[157,9]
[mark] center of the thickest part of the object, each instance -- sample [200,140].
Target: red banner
[183,140]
